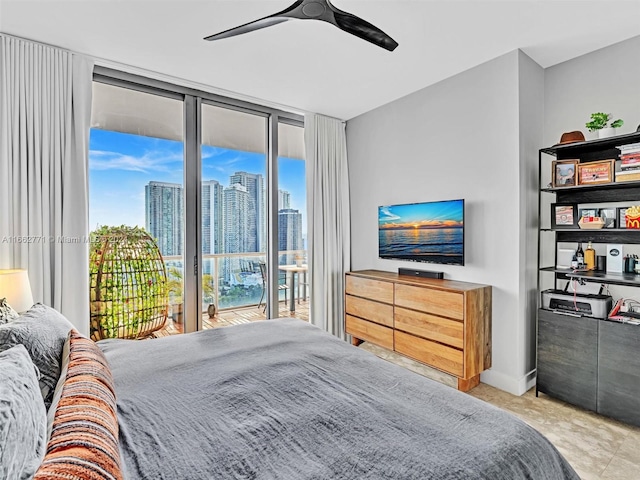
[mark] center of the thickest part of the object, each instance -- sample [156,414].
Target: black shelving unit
[590,150]
[578,358]
[626,279]
[614,192]
[598,187]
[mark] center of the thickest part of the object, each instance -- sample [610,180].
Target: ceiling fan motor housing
[313,9]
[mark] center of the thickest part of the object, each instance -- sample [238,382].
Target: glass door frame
[192,254]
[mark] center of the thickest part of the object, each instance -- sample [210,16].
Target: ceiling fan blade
[363,29]
[248,27]
[317,10]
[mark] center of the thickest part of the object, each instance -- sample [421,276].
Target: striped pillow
[84,437]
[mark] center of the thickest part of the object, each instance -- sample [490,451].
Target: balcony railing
[233,280]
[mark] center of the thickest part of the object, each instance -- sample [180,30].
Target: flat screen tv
[431,232]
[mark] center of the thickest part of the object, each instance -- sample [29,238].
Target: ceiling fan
[316,10]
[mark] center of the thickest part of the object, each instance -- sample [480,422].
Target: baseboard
[514,386]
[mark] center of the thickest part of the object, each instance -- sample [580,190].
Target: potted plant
[207,295]
[600,123]
[175,287]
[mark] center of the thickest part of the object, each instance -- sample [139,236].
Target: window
[204,195]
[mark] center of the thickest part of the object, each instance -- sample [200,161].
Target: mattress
[281,399]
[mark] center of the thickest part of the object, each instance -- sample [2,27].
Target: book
[628,146]
[630,161]
[632,147]
[629,152]
[628,176]
[630,157]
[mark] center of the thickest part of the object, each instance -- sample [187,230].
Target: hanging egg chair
[128,284]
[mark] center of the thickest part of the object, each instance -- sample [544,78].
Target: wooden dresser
[443,323]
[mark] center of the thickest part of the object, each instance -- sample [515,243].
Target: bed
[277,399]
[281,399]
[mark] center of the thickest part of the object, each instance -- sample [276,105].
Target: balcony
[233,284]
[237,316]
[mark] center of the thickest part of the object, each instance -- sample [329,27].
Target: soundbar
[420,273]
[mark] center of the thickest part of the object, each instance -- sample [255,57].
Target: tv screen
[431,232]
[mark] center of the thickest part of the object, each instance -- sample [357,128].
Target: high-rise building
[164,213]
[239,220]
[239,223]
[212,208]
[284,199]
[254,184]
[289,232]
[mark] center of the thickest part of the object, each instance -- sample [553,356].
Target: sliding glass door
[292,218]
[136,171]
[234,215]
[218,184]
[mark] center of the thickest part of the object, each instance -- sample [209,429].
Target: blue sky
[121,164]
[431,214]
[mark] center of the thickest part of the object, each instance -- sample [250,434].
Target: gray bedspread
[281,399]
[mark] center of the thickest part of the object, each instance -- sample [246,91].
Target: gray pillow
[7,313]
[23,419]
[43,331]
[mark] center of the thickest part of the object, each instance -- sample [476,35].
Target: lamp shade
[15,287]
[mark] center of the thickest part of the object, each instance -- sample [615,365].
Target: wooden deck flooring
[237,316]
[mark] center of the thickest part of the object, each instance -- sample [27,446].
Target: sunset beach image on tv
[430,232]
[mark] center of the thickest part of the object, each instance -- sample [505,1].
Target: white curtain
[328,225]
[45,113]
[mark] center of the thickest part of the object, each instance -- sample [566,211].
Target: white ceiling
[312,66]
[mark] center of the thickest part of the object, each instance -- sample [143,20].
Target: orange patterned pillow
[84,439]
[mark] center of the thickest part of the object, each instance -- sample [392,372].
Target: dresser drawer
[369,310]
[438,302]
[439,356]
[429,326]
[368,288]
[369,331]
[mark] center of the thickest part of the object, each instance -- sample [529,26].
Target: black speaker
[420,273]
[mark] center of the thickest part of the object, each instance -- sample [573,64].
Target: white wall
[607,80]
[476,136]
[531,119]
[459,138]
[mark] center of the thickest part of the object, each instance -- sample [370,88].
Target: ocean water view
[406,242]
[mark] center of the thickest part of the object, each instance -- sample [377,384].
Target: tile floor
[597,447]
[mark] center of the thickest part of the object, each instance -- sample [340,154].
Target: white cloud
[152,161]
[227,166]
[385,214]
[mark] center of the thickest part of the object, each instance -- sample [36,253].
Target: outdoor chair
[263,273]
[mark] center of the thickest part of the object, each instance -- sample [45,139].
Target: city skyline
[122,164]
[230,216]
[230,220]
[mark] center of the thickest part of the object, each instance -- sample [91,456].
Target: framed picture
[564,215]
[588,212]
[564,173]
[596,172]
[621,217]
[609,216]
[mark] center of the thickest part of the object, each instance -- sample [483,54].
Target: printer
[588,305]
